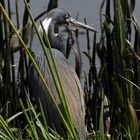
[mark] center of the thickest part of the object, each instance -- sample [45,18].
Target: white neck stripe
[46,24]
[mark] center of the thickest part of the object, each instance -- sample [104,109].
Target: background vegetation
[112,92]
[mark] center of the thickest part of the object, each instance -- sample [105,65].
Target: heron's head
[59,17]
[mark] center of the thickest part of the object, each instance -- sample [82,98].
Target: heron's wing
[71,84]
[73,90]
[38,91]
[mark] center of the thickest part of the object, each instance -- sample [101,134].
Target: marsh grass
[116,79]
[111,92]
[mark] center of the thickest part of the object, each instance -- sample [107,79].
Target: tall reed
[115,83]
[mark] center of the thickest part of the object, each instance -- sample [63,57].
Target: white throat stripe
[46,24]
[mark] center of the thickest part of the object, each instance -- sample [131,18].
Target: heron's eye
[67,18]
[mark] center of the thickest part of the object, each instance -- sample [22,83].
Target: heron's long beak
[81,25]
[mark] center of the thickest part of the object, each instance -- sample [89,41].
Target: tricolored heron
[71,83]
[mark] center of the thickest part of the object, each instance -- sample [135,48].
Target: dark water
[88,9]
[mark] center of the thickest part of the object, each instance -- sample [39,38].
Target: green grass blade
[6,129]
[31,124]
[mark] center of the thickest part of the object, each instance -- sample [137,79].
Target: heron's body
[72,88]
[70,81]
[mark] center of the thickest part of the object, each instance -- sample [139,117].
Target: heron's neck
[46,24]
[54,38]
